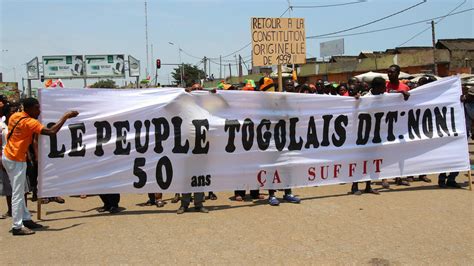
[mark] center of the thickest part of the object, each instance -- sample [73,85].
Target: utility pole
[230,71]
[209,69]
[146,41]
[205,67]
[152,66]
[435,66]
[240,69]
[220,67]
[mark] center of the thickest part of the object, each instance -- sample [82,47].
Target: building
[451,56]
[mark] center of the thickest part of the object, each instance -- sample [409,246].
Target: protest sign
[277,41]
[167,140]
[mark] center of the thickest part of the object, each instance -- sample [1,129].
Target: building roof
[456,44]
[343,58]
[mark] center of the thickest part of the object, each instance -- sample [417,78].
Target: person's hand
[406,95]
[357,96]
[463,98]
[71,114]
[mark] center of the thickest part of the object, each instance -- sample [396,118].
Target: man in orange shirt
[21,127]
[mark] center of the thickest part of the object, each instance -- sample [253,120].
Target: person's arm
[406,95]
[56,127]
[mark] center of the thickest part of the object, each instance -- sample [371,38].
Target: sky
[210,28]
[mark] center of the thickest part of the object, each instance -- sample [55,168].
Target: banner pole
[280,79]
[470,179]
[38,209]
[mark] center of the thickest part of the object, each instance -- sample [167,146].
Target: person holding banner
[21,127]
[378,88]
[395,86]
[288,196]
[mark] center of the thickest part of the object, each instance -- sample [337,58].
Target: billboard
[277,41]
[32,69]
[105,66]
[133,66]
[330,48]
[10,90]
[63,66]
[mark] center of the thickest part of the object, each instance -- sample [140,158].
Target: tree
[191,74]
[108,83]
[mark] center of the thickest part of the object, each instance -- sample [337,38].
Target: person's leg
[271,193]
[239,195]
[17,173]
[424,178]
[114,200]
[255,194]
[159,200]
[368,188]
[452,180]
[185,201]
[442,180]
[105,201]
[272,200]
[9,205]
[175,198]
[198,200]
[290,197]
[355,189]
[151,199]
[212,196]
[385,184]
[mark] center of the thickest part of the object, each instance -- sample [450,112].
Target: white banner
[152,140]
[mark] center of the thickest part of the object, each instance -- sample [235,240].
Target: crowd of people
[20,129]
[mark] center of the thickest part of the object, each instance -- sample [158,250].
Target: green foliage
[190,74]
[108,83]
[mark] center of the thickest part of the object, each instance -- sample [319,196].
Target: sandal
[424,178]
[59,200]
[175,199]
[385,184]
[160,203]
[150,203]
[238,198]
[372,191]
[44,201]
[212,196]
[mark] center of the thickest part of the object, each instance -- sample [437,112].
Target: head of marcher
[393,72]
[289,86]
[425,80]
[378,86]
[320,86]
[31,106]
[342,90]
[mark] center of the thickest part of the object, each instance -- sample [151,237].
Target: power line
[332,33]
[332,5]
[285,12]
[371,22]
[423,31]
[389,28]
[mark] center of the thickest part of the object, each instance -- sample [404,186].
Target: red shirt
[399,88]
